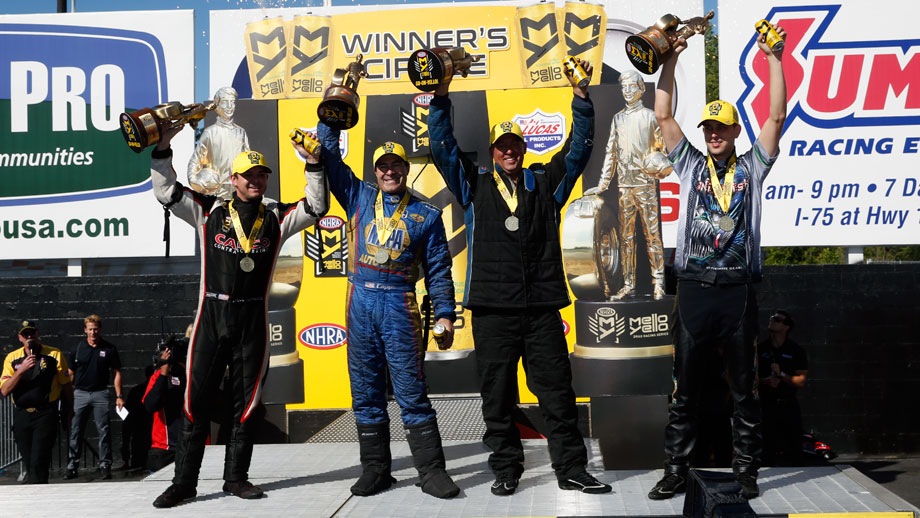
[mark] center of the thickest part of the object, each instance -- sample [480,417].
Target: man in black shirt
[93,362]
[782,369]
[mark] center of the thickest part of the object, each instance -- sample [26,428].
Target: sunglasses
[778,319]
[28,334]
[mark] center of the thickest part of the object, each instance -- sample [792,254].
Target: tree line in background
[780,255]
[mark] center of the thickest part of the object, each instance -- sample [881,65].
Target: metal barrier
[9,453]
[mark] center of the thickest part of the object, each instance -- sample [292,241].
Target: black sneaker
[505,485]
[585,483]
[106,472]
[748,483]
[71,474]
[667,487]
[174,495]
[243,489]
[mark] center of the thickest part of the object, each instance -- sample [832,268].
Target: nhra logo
[833,84]
[322,336]
[606,322]
[543,133]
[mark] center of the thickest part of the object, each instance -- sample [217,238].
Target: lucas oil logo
[322,336]
[542,132]
[833,83]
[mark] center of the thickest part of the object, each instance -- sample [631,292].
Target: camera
[178,347]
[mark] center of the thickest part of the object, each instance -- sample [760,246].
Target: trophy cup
[339,108]
[142,128]
[430,68]
[647,49]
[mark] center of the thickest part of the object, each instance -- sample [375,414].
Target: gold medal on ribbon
[386,226]
[247,264]
[511,222]
[723,190]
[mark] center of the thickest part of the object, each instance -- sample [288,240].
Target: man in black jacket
[515,284]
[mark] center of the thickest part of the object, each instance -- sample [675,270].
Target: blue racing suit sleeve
[343,183]
[436,261]
[567,165]
[454,166]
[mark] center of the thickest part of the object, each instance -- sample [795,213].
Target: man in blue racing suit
[392,236]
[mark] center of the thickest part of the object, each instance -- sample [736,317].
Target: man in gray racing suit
[240,241]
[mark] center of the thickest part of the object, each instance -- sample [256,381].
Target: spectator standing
[163,400]
[36,377]
[783,370]
[515,283]
[717,261]
[93,363]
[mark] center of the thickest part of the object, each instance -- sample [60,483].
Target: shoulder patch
[484,170]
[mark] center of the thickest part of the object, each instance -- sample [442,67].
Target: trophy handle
[697,25]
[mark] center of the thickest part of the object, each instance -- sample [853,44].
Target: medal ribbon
[244,240]
[723,195]
[509,197]
[385,227]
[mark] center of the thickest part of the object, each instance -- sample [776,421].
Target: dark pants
[227,335]
[35,433]
[502,338]
[717,316]
[782,431]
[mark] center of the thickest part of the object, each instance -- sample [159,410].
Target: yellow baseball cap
[390,148]
[504,128]
[248,160]
[720,111]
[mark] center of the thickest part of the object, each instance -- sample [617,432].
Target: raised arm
[773,127]
[664,98]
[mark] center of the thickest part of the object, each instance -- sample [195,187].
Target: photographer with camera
[36,376]
[163,400]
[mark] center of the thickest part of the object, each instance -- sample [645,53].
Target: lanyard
[244,240]
[509,197]
[386,227]
[722,190]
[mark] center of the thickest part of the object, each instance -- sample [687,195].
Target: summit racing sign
[63,83]
[853,90]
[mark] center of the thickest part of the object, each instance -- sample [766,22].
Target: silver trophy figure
[210,164]
[634,155]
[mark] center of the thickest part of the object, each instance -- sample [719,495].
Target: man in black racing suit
[240,241]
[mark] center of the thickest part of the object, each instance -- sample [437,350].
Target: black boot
[425,443]
[374,441]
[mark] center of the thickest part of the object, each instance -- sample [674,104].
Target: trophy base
[427,70]
[646,49]
[338,113]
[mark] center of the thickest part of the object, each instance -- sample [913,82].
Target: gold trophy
[647,49]
[142,128]
[339,108]
[430,68]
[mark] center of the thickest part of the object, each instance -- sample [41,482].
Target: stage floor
[313,480]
